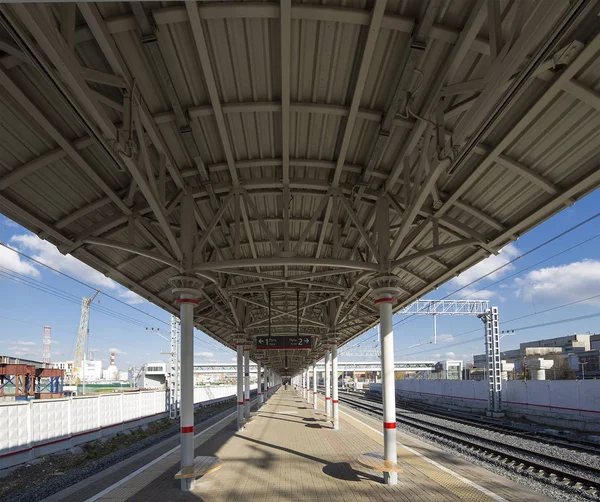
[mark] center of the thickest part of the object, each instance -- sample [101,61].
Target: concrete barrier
[571,404]
[40,427]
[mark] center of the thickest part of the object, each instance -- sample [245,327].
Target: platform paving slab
[287,454]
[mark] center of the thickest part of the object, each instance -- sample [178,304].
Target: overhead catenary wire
[522,328]
[24,255]
[76,300]
[497,269]
[556,307]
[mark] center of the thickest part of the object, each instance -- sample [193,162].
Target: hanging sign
[283,342]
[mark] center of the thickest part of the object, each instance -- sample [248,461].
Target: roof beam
[286,31]
[325,200]
[212,225]
[276,261]
[64,61]
[103,37]
[53,132]
[211,85]
[494,28]
[20,172]
[579,62]
[94,241]
[467,36]
[359,226]
[374,26]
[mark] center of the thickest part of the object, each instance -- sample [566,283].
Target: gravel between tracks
[545,486]
[52,483]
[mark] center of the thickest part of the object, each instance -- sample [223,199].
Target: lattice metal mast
[83,332]
[47,344]
[173,383]
[492,354]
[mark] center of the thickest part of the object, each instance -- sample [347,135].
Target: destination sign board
[283,342]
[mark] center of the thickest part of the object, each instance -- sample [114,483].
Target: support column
[386,293]
[258,380]
[247,381]
[240,343]
[186,287]
[327,382]
[314,372]
[334,377]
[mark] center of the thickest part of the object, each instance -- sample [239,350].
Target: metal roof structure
[324,145]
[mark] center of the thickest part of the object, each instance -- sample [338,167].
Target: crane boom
[82,333]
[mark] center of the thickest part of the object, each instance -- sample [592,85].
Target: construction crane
[82,335]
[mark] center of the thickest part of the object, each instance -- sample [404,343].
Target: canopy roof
[288,122]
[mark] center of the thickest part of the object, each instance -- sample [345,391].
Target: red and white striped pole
[334,374]
[184,286]
[247,381]
[240,342]
[314,372]
[258,380]
[327,382]
[385,299]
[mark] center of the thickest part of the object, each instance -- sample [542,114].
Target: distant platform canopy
[329,151]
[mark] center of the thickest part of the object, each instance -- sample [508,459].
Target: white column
[240,383]
[183,286]
[306,385]
[327,383]
[334,375]
[258,381]
[247,381]
[314,372]
[386,298]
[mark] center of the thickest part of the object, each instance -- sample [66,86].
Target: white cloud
[450,355]
[506,254]
[47,253]
[564,283]
[131,297]
[24,351]
[207,355]
[12,261]
[118,352]
[19,342]
[443,338]
[477,294]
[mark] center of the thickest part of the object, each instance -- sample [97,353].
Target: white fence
[561,403]
[34,428]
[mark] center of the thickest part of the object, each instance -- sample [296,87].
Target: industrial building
[561,358]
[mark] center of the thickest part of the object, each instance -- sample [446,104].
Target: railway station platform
[287,453]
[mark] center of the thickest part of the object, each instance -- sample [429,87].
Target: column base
[390,478]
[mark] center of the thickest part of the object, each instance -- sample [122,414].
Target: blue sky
[123,326]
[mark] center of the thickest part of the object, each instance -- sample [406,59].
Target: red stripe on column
[335,401]
[187,300]
[188,429]
[241,404]
[314,392]
[385,300]
[327,398]
[247,399]
[389,425]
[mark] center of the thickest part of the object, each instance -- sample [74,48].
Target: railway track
[487,425]
[563,472]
